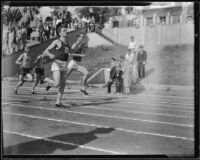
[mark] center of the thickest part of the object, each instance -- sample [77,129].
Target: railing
[9,68]
[99,32]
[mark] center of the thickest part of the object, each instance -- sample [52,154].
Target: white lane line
[117,104]
[137,96]
[101,126]
[119,110]
[102,115]
[140,103]
[128,100]
[63,142]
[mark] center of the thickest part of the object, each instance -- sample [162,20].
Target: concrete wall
[159,35]
[9,68]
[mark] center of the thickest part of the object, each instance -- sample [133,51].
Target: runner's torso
[26,61]
[79,51]
[61,51]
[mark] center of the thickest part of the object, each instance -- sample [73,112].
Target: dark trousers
[41,37]
[119,85]
[141,70]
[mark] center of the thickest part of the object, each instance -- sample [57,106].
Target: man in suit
[141,59]
[116,76]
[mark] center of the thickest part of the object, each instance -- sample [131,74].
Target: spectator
[29,31]
[11,40]
[41,31]
[24,36]
[5,48]
[133,44]
[58,23]
[115,76]
[119,79]
[141,59]
[47,31]
[128,71]
[19,38]
[54,26]
[68,19]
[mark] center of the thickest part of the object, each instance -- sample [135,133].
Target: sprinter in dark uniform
[39,71]
[25,71]
[74,65]
[58,52]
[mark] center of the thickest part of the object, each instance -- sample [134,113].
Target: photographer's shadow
[63,142]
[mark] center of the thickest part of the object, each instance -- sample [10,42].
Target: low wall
[9,68]
[159,35]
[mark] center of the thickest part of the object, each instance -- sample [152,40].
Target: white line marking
[137,96]
[62,142]
[148,108]
[120,110]
[107,116]
[101,126]
[71,97]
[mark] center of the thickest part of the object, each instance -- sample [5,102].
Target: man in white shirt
[132,44]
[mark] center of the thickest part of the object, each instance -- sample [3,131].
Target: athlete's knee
[61,88]
[56,84]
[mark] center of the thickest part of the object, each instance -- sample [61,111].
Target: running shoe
[48,87]
[33,92]
[84,91]
[58,105]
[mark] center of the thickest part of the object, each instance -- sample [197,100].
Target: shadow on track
[47,147]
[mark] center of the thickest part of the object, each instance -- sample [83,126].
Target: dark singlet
[79,51]
[61,53]
[39,69]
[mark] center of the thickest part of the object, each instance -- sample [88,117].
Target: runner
[25,72]
[74,65]
[39,71]
[58,51]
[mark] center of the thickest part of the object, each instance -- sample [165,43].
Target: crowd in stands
[15,37]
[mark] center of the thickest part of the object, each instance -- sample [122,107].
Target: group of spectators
[15,38]
[129,69]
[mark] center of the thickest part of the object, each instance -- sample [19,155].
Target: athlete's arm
[75,46]
[20,59]
[37,61]
[47,53]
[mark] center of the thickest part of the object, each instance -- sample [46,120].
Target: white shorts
[59,65]
[73,64]
[76,65]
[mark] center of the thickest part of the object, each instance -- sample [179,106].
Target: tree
[129,9]
[84,11]
[11,15]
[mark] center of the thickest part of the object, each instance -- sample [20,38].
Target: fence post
[180,35]
[161,35]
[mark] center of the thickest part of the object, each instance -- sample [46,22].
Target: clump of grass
[177,65]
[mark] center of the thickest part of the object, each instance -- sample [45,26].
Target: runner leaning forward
[58,51]
[24,60]
[74,65]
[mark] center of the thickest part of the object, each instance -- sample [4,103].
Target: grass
[175,65]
